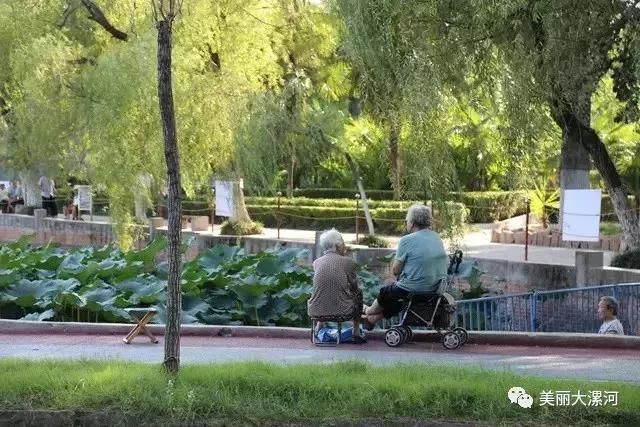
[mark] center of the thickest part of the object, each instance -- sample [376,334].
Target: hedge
[490,206]
[483,207]
[340,193]
[338,203]
[386,220]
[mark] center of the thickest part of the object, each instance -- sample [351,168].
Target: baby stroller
[431,310]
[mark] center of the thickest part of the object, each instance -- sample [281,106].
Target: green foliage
[610,229]
[223,285]
[337,203]
[489,206]
[240,228]
[340,193]
[373,241]
[627,259]
[273,394]
[389,220]
[544,202]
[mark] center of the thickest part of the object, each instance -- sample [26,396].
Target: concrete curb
[531,339]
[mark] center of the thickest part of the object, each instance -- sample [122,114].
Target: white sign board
[224,198]
[85,198]
[581,215]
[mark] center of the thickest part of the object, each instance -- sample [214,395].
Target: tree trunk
[602,161]
[30,190]
[574,158]
[358,181]
[394,167]
[240,213]
[174,295]
[292,169]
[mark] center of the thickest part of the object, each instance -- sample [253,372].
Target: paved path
[475,244]
[593,364]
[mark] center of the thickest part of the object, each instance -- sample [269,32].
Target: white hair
[420,216]
[330,239]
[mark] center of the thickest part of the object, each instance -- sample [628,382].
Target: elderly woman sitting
[420,266]
[335,285]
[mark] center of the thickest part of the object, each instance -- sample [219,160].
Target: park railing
[563,310]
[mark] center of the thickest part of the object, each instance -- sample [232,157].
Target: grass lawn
[610,228]
[263,393]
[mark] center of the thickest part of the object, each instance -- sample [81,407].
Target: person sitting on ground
[419,267]
[607,312]
[335,285]
[71,208]
[4,199]
[15,195]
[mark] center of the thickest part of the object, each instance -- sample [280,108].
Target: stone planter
[185,223]
[200,223]
[506,237]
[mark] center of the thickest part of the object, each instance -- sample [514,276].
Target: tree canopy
[432,96]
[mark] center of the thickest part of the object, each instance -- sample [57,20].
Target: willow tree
[85,102]
[380,41]
[556,54]
[164,13]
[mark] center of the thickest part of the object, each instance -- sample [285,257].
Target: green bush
[490,206]
[386,220]
[240,228]
[373,241]
[627,259]
[340,193]
[338,203]
[483,206]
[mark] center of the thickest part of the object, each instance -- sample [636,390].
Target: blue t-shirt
[424,261]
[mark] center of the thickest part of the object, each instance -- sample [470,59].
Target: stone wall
[60,231]
[551,238]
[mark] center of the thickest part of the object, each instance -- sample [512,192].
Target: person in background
[16,196]
[71,208]
[47,191]
[4,199]
[607,312]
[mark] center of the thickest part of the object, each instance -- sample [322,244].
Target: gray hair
[611,303]
[330,239]
[420,216]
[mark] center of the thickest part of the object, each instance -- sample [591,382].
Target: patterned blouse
[335,287]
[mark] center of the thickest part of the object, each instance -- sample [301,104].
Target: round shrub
[240,228]
[373,241]
[627,259]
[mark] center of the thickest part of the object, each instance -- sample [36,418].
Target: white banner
[224,198]
[581,215]
[84,197]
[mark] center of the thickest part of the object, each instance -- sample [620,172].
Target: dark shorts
[390,298]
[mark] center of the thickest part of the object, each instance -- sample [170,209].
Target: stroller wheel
[393,337]
[451,341]
[408,333]
[462,334]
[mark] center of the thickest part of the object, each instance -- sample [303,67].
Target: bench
[142,316]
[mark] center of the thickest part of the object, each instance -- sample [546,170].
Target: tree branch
[68,11]
[95,14]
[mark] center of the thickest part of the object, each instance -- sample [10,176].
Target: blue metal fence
[563,310]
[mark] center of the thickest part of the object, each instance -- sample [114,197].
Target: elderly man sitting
[335,284]
[420,265]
